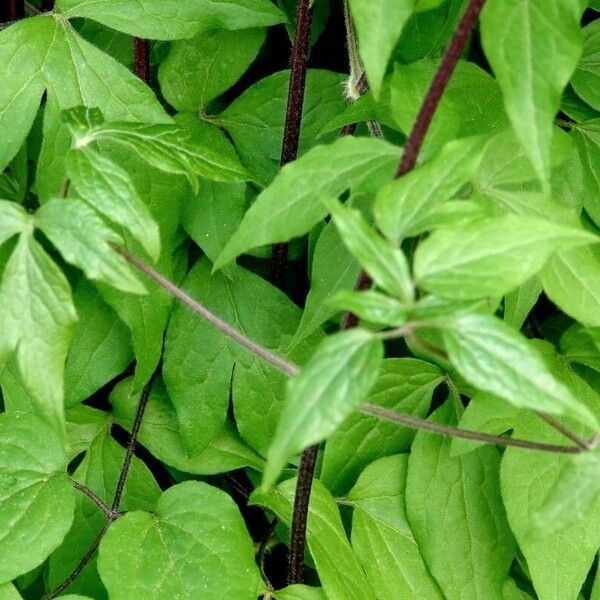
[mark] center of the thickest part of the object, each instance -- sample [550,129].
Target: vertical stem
[141,59]
[15,10]
[306,472]
[47,5]
[293,117]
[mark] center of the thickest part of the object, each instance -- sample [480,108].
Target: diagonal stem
[290,369]
[109,513]
[467,434]
[293,117]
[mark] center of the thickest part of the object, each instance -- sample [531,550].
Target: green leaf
[339,570]
[580,345]
[372,306]
[108,188]
[455,511]
[160,433]
[168,148]
[404,207]
[195,545]
[427,33]
[378,27]
[571,279]
[381,535]
[405,385]
[487,414]
[199,360]
[196,71]
[37,317]
[299,592]
[9,592]
[490,257]
[291,205]
[383,261]
[328,389]
[559,561]
[587,139]
[36,497]
[145,316]
[533,47]
[586,79]
[213,214]
[520,302]
[471,104]
[333,269]
[574,492]
[100,348]
[255,121]
[73,72]
[99,471]
[173,19]
[84,240]
[496,359]
[13,219]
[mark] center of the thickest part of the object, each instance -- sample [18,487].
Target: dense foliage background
[300,334]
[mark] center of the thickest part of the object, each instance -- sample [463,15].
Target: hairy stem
[105,508]
[293,117]
[279,363]
[141,59]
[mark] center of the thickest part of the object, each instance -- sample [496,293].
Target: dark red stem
[15,10]
[426,113]
[438,87]
[141,59]
[293,117]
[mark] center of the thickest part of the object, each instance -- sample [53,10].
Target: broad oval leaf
[381,536]
[495,358]
[586,79]
[571,279]
[195,546]
[328,389]
[455,511]
[490,257]
[558,561]
[36,497]
[198,70]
